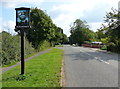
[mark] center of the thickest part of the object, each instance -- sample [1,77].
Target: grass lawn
[58,45]
[13,63]
[27,56]
[41,71]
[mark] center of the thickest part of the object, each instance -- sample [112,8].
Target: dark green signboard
[22,17]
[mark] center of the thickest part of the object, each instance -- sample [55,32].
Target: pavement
[90,67]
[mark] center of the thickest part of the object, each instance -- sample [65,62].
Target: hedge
[11,48]
[113,48]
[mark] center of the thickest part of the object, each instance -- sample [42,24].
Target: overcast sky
[62,12]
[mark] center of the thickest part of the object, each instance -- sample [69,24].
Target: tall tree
[80,32]
[65,39]
[111,30]
[42,28]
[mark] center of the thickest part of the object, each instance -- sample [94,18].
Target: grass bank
[58,45]
[27,56]
[41,71]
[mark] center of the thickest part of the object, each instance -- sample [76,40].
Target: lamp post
[22,22]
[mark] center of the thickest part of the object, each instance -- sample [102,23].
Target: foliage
[11,48]
[105,40]
[110,33]
[44,44]
[103,47]
[113,48]
[87,42]
[58,35]
[42,34]
[111,30]
[42,29]
[80,32]
[59,45]
[65,39]
[47,68]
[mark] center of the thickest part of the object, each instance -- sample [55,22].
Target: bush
[87,42]
[11,48]
[43,45]
[113,48]
[103,47]
[109,46]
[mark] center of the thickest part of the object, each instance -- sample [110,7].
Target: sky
[62,12]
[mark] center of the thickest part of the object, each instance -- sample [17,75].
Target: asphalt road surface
[86,67]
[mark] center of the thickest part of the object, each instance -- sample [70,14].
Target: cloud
[67,11]
[119,5]
[21,1]
[0,24]
[63,15]
[18,3]
[63,21]
[92,11]
[9,26]
[95,25]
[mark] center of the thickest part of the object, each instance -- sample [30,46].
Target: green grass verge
[13,63]
[41,71]
[30,55]
[58,45]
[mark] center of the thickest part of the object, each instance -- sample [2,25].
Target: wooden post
[22,52]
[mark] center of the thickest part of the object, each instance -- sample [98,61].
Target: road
[86,67]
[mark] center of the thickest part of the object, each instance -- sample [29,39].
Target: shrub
[103,47]
[44,44]
[11,48]
[113,48]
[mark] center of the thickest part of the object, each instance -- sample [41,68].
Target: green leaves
[43,29]
[11,48]
[110,31]
[80,32]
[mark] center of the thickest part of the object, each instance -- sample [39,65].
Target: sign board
[22,22]
[22,17]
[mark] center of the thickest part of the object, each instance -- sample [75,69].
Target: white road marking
[88,54]
[101,60]
[97,58]
[104,61]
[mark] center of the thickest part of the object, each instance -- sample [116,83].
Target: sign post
[22,22]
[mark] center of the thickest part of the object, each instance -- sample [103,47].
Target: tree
[65,39]
[42,29]
[80,32]
[111,30]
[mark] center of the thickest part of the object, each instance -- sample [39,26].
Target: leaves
[11,48]
[43,29]
[111,30]
[80,32]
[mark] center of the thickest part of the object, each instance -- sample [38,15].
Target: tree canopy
[111,31]
[80,32]
[42,29]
